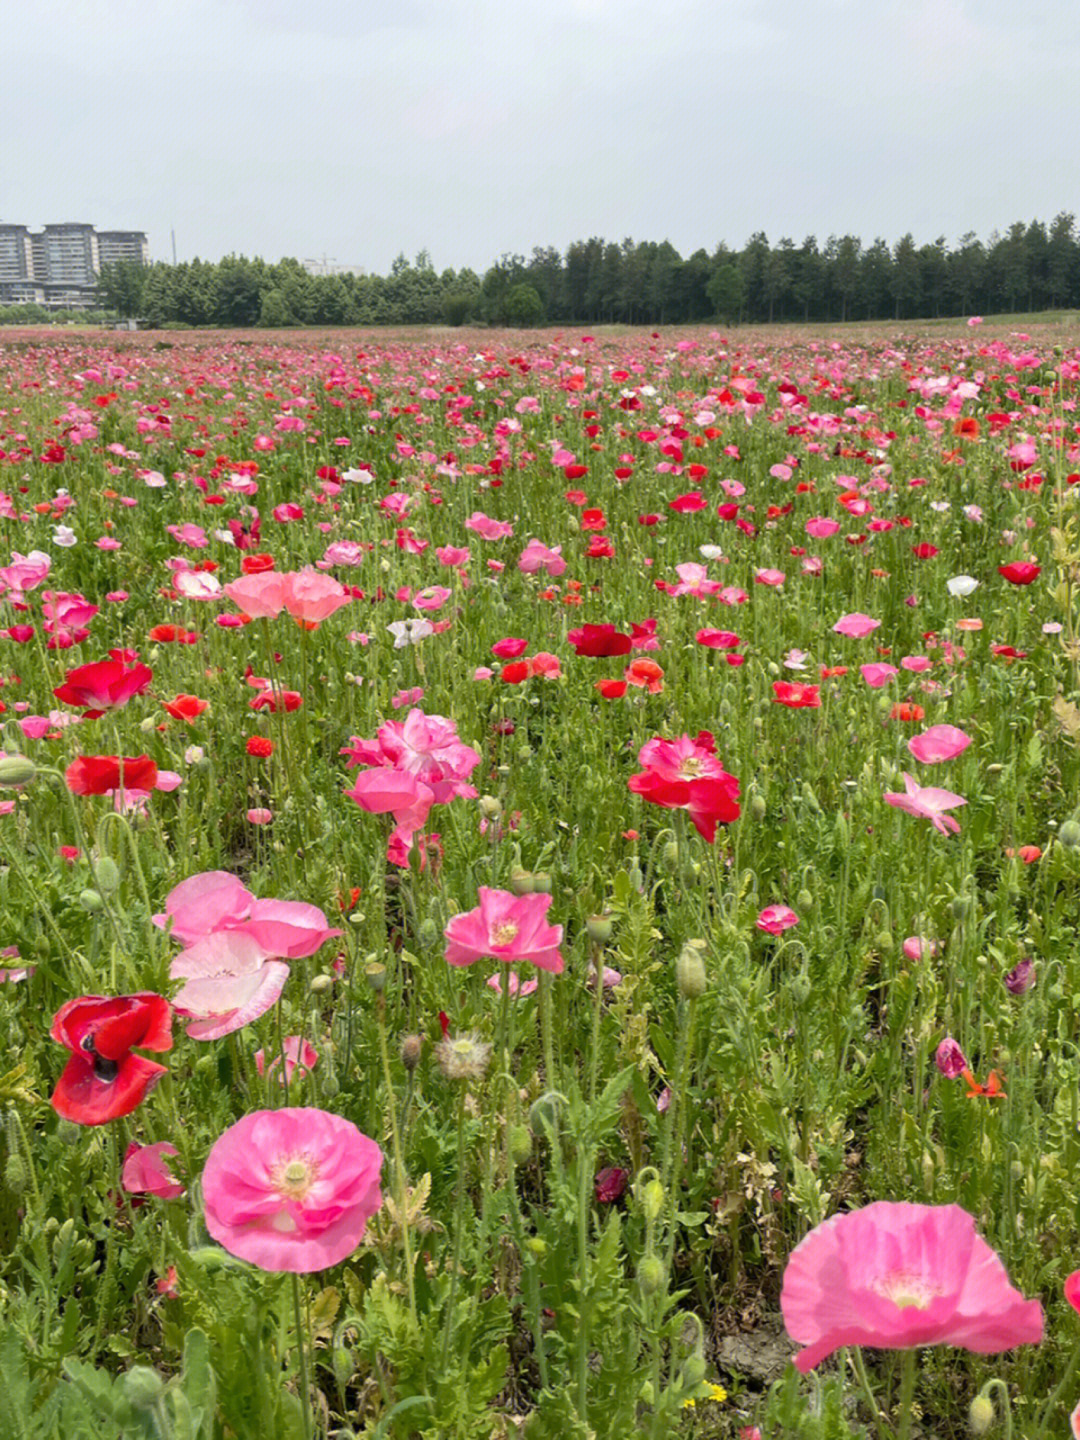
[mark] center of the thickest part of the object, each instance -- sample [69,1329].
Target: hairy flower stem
[399,1165]
[907,1394]
[106,1293]
[1063,1387]
[459,1225]
[305,1390]
[858,1364]
[597,962]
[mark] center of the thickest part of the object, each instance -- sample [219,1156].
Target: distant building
[58,266]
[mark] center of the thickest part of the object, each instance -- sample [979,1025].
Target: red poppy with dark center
[103,1079]
[796,696]
[99,774]
[1020,572]
[598,641]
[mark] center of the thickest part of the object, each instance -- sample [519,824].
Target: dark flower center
[104,1069]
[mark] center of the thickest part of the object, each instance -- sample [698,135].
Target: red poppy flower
[259,746]
[611,689]
[924,551]
[599,640]
[906,710]
[515,673]
[186,707]
[103,1079]
[287,700]
[593,520]
[99,774]
[688,503]
[105,685]
[610,1183]
[170,634]
[992,1089]
[647,674]
[1020,572]
[796,696]
[256,564]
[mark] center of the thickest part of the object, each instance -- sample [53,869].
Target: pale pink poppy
[518,988]
[216,901]
[505,927]
[894,1276]
[198,585]
[229,982]
[856,625]
[938,744]
[487,528]
[927,802]
[25,572]
[775,919]
[146,1173]
[432,598]
[917,948]
[769,577]
[878,674]
[310,596]
[262,596]
[291,1190]
[820,527]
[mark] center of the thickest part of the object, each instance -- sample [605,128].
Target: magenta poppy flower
[291,1190]
[927,802]
[684,774]
[775,919]
[878,674]
[599,641]
[146,1173]
[938,744]
[610,1183]
[104,685]
[950,1059]
[894,1276]
[103,1079]
[506,927]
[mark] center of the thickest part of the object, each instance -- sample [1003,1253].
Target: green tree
[906,280]
[727,291]
[523,306]
[120,288]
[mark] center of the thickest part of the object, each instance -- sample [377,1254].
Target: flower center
[906,1291]
[691,767]
[104,1069]
[294,1178]
[504,934]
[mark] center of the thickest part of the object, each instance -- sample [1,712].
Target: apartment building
[58,266]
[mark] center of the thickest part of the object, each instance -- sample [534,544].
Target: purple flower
[1020,978]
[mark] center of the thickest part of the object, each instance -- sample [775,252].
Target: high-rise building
[59,265]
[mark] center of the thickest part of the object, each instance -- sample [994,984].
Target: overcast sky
[358,129]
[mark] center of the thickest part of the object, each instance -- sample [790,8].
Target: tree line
[1029,267]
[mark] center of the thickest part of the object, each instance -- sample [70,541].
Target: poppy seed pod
[521,881]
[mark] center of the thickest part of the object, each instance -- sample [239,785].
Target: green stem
[884,1431]
[399,1165]
[301,1351]
[1062,1388]
[907,1394]
[459,1225]
[597,960]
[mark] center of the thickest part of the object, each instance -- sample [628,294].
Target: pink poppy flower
[25,572]
[537,556]
[146,1173]
[938,744]
[856,626]
[262,596]
[311,597]
[876,675]
[299,1054]
[950,1059]
[291,1190]
[104,685]
[775,919]
[896,1275]
[820,527]
[518,988]
[927,802]
[216,901]
[506,927]
[229,983]
[487,528]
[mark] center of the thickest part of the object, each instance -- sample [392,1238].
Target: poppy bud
[650,1275]
[981,1414]
[804,900]
[690,976]
[148,725]
[636,878]
[107,875]
[961,906]
[411,1049]
[543,1114]
[536,1246]
[344,1368]
[519,1144]
[16,770]
[758,807]
[521,881]
[142,1387]
[1069,834]
[670,856]
[884,942]
[652,1199]
[599,928]
[693,1371]
[320,984]
[91,902]
[429,934]
[801,988]
[16,1175]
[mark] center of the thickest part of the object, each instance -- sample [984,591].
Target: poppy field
[540,884]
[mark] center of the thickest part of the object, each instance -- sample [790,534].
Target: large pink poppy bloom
[506,927]
[25,572]
[216,901]
[291,1190]
[896,1275]
[311,597]
[229,982]
[262,596]
[938,744]
[856,626]
[387,791]
[684,774]
[927,802]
